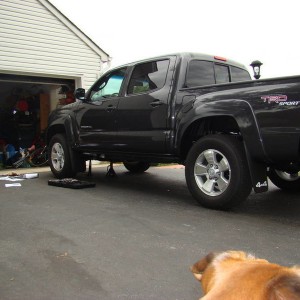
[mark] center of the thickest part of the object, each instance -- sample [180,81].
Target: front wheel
[217,172]
[285,180]
[59,157]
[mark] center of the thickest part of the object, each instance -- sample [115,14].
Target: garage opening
[25,104]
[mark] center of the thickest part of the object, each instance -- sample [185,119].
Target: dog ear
[199,267]
[285,287]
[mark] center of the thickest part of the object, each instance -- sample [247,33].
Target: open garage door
[25,104]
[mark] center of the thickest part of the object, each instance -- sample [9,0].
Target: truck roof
[202,56]
[190,56]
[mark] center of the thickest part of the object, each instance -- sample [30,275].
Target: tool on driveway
[71,183]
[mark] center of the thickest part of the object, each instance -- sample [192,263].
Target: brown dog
[236,275]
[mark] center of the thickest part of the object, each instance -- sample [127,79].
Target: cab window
[222,73]
[108,86]
[238,74]
[148,76]
[200,73]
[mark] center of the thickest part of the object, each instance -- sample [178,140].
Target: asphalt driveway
[130,237]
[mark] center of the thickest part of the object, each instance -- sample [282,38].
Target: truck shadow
[167,186]
[156,184]
[276,205]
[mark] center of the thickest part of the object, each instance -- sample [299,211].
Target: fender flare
[242,112]
[63,124]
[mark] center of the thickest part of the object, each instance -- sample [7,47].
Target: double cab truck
[230,132]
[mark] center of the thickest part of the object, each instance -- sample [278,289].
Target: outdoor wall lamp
[256,64]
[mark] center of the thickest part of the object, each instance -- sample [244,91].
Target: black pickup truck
[205,112]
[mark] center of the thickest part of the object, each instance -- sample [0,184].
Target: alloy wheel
[212,172]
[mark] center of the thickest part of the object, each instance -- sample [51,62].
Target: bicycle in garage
[35,156]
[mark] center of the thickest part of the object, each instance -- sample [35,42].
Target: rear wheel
[136,166]
[217,173]
[285,180]
[59,157]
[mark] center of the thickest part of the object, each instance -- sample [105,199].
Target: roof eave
[104,56]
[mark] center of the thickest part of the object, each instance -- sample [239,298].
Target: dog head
[206,269]
[238,275]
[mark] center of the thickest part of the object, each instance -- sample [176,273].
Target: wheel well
[205,126]
[54,130]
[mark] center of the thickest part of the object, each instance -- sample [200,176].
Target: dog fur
[236,275]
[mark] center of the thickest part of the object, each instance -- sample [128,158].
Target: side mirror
[80,94]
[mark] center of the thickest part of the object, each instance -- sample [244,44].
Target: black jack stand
[90,169]
[110,171]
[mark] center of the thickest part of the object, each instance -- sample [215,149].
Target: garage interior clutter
[25,104]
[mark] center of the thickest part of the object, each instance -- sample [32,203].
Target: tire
[217,173]
[285,180]
[59,157]
[136,166]
[39,157]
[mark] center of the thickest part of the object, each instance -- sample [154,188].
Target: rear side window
[199,73]
[202,72]
[238,74]
[222,73]
[148,76]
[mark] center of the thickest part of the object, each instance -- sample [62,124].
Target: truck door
[142,115]
[97,117]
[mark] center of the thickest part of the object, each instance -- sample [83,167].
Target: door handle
[110,108]
[156,103]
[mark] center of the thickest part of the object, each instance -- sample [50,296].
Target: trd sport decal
[279,99]
[274,98]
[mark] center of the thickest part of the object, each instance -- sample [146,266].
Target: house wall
[34,41]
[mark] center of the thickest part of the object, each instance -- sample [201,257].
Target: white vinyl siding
[35,40]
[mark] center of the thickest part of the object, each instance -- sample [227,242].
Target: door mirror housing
[80,94]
